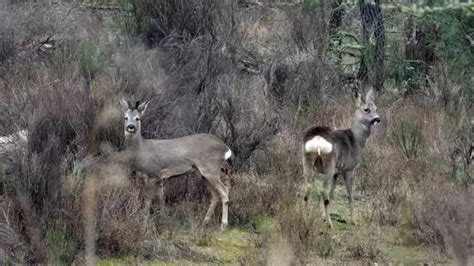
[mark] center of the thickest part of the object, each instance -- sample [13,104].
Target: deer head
[366,113]
[132,117]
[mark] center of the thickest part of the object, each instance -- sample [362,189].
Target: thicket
[227,68]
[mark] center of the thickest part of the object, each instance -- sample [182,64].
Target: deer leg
[308,173]
[333,187]
[327,200]
[329,184]
[224,193]
[212,206]
[213,176]
[148,188]
[348,182]
[165,174]
[162,197]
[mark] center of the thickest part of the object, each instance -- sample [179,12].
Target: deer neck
[361,132]
[134,143]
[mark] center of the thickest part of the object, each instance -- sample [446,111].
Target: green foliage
[70,54]
[445,29]
[78,171]
[408,138]
[446,32]
[310,6]
[368,52]
[89,60]
[63,57]
[317,190]
[126,5]
[7,45]
[347,50]
[408,74]
[325,246]
[58,243]
[75,180]
[458,173]
[134,22]
[431,7]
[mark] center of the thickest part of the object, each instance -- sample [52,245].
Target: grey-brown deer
[161,159]
[337,152]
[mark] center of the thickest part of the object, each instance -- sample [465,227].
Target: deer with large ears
[337,152]
[160,159]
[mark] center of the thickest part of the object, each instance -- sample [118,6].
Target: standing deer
[337,152]
[161,159]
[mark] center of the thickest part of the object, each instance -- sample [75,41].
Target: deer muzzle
[131,128]
[375,121]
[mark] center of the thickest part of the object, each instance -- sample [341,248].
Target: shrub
[7,46]
[442,217]
[196,78]
[59,245]
[88,59]
[407,136]
[445,32]
[161,20]
[122,222]
[252,197]
[63,59]
[365,250]
[299,224]
[13,250]
[408,74]
[383,182]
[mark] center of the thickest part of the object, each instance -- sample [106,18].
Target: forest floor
[354,244]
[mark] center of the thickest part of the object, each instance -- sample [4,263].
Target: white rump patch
[228,154]
[318,144]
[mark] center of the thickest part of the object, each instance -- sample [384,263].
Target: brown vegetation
[207,67]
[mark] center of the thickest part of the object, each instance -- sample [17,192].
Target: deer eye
[125,118]
[367,110]
[137,118]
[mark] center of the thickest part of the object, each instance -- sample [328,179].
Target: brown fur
[344,156]
[160,159]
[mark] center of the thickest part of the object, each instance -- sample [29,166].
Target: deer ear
[124,105]
[142,107]
[370,97]
[357,97]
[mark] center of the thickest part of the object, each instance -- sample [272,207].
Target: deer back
[179,155]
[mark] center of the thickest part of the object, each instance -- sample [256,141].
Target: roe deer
[337,152]
[160,159]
